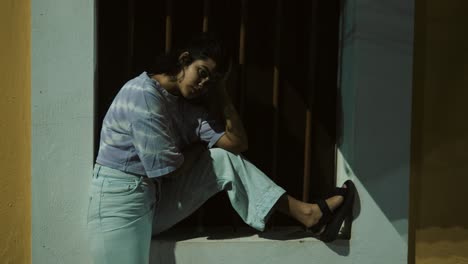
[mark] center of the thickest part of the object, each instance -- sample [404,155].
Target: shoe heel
[345,233]
[343,218]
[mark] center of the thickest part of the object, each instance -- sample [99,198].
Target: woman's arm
[235,138]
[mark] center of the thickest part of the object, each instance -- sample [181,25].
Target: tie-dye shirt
[146,128]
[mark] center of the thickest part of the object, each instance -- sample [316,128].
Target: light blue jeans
[125,209]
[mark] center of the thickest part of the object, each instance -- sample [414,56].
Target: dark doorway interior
[300,38]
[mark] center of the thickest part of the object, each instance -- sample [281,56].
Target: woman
[162,155]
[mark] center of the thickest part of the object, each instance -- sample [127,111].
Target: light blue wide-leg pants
[121,219]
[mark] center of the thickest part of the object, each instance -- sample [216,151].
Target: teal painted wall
[376,89]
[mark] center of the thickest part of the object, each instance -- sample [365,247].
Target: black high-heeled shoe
[344,213]
[327,215]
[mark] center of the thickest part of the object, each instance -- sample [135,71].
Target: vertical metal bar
[276,80]
[275,98]
[323,99]
[242,39]
[276,87]
[241,77]
[307,157]
[206,12]
[242,32]
[131,35]
[312,80]
[275,151]
[418,104]
[168,45]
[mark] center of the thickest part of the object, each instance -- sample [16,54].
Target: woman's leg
[120,217]
[251,192]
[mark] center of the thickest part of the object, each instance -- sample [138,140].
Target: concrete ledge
[374,240]
[283,245]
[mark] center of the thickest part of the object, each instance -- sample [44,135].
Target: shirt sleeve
[210,131]
[154,142]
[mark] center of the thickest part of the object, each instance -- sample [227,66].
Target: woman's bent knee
[219,154]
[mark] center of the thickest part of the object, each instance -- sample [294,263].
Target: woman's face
[193,80]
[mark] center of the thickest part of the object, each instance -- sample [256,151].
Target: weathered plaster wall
[440,137]
[62,128]
[15,127]
[376,87]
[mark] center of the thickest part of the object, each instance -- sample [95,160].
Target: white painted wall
[62,128]
[376,90]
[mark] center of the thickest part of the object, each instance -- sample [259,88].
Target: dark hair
[202,46]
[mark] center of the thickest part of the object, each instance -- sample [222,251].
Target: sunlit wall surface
[15,136]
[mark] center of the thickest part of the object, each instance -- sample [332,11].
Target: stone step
[223,246]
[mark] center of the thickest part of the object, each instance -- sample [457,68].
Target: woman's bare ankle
[306,213]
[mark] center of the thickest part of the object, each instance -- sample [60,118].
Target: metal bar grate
[279,70]
[307,157]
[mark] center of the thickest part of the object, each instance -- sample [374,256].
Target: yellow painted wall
[440,133]
[15,127]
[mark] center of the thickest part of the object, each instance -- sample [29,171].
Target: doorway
[284,84]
